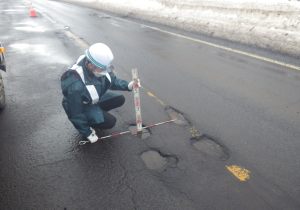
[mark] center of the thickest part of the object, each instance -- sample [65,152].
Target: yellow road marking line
[156,98]
[2,50]
[77,39]
[240,173]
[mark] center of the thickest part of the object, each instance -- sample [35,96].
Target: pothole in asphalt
[176,115]
[210,147]
[156,160]
[146,133]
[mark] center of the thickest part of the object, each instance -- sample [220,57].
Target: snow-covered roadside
[274,24]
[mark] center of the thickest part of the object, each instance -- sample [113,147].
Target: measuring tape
[137,100]
[129,131]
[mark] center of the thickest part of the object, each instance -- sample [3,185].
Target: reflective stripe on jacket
[77,101]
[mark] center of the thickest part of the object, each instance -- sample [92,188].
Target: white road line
[229,49]
[251,55]
[258,57]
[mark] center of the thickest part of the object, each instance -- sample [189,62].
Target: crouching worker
[85,87]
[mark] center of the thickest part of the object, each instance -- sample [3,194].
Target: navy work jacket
[77,101]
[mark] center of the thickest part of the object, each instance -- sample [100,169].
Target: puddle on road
[44,51]
[210,147]
[31,29]
[30,48]
[12,10]
[154,160]
[29,26]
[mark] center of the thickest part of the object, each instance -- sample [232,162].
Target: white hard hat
[100,55]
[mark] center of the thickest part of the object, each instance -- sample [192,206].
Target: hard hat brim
[93,61]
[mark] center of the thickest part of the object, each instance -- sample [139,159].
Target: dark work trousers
[109,119]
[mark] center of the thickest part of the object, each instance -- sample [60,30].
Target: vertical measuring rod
[137,101]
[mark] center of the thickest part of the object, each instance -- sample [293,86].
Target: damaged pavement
[174,166]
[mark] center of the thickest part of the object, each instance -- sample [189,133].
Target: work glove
[134,84]
[93,136]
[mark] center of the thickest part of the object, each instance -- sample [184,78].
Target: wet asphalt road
[235,111]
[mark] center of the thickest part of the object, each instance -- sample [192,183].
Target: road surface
[235,144]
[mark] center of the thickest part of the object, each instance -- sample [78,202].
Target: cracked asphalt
[181,165]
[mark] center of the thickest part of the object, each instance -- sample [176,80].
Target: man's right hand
[133,84]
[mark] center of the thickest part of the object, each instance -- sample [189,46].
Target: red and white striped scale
[138,113]
[137,100]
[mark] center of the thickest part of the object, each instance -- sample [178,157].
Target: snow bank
[274,24]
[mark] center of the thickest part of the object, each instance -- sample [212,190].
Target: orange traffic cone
[32,12]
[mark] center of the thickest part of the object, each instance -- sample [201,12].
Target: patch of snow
[273,24]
